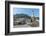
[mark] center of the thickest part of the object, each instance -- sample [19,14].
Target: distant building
[21,21]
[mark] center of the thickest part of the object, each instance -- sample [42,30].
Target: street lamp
[33,15]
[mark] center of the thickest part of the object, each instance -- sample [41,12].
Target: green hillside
[22,16]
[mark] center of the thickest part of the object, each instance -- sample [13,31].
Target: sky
[27,11]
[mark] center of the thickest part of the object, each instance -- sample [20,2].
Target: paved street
[26,25]
[33,24]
